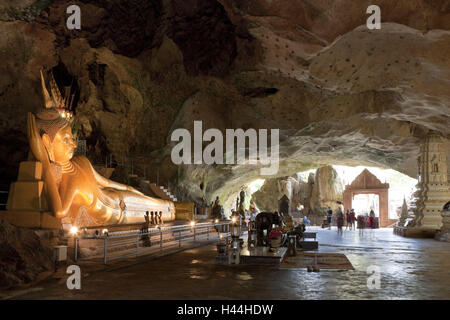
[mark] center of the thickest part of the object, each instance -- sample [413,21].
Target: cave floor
[410,269]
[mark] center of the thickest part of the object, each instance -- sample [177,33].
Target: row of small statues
[155,218]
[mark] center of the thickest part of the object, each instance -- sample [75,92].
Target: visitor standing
[329,215]
[144,231]
[339,219]
[353,218]
[372,219]
[361,224]
[348,219]
[306,221]
[371,222]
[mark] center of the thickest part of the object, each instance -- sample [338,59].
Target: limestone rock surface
[338,92]
[327,189]
[22,255]
[321,190]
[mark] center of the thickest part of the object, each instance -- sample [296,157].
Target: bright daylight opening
[401,187]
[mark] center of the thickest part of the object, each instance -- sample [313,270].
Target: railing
[158,239]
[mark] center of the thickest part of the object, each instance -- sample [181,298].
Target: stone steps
[152,189]
[146,186]
[167,192]
[162,192]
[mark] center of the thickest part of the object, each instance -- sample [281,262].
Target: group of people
[351,219]
[366,222]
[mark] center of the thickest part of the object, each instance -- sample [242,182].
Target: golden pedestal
[31,219]
[30,171]
[184,210]
[27,205]
[24,195]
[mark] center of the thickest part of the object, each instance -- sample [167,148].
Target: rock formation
[266,198]
[321,190]
[23,256]
[328,189]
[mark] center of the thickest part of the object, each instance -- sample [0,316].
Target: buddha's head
[56,134]
[54,122]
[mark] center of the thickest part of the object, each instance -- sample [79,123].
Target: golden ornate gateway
[367,183]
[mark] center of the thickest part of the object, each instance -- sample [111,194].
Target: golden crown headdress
[63,104]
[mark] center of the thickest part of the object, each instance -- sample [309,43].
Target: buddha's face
[62,146]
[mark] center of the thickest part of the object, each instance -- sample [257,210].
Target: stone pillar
[27,193]
[433,186]
[384,208]
[347,200]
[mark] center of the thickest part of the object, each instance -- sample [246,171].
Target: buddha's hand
[36,145]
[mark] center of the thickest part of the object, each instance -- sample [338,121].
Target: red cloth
[275,234]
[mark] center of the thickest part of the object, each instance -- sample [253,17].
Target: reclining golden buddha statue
[75,192]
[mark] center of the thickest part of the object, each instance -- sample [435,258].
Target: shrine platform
[415,232]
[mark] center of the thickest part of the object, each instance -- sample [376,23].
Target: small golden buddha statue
[75,191]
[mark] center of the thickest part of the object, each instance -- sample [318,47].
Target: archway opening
[363,203]
[311,192]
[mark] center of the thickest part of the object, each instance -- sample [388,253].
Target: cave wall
[23,255]
[322,189]
[339,93]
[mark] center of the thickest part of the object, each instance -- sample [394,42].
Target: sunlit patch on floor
[244,276]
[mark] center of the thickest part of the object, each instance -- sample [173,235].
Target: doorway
[364,202]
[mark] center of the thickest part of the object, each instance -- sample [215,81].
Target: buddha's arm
[38,149]
[106,183]
[66,201]
[51,190]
